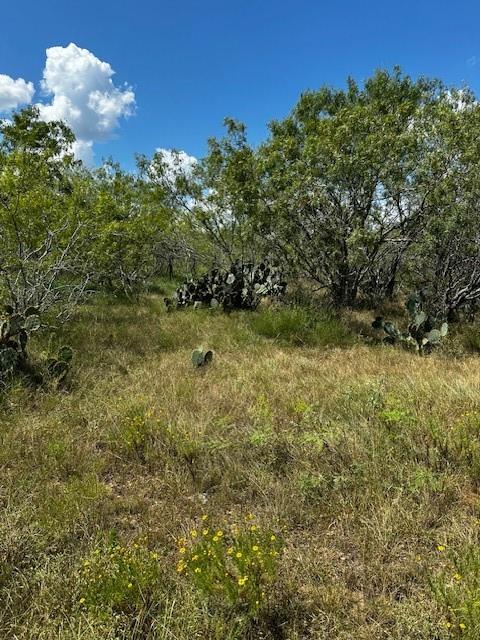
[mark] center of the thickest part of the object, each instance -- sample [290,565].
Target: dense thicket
[362,192]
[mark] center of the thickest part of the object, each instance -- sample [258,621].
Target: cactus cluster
[240,287]
[421,332]
[15,330]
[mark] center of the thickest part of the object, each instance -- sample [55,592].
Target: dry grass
[365,457]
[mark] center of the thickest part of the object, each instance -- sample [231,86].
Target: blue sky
[190,63]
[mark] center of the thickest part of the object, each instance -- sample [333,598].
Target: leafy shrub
[234,566]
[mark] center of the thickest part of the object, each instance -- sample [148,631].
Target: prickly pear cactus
[15,331]
[201,357]
[8,361]
[59,367]
[240,287]
[421,333]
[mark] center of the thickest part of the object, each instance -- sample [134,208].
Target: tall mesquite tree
[446,260]
[129,225]
[345,193]
[42,226]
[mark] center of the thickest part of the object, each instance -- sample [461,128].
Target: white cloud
[84,96]
[177,163]
[14,92]
[83,150]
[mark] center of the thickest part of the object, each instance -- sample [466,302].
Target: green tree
[216,199]
[127,229]
[41,216]
[345,194]
[446,261]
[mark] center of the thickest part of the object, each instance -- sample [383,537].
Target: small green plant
[132,436]
[393,416]
[311,486]
[116,577]
[456,587]
[234,565]
[261,436]
[421,333]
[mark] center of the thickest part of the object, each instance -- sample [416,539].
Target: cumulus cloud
[84,96]
[83,150]
[176,163]
[14,92]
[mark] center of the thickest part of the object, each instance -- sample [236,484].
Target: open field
[364,459]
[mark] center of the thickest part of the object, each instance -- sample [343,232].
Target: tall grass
[301,327]
[363,460]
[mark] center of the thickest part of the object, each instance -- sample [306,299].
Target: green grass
[301,327]
[362,459]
